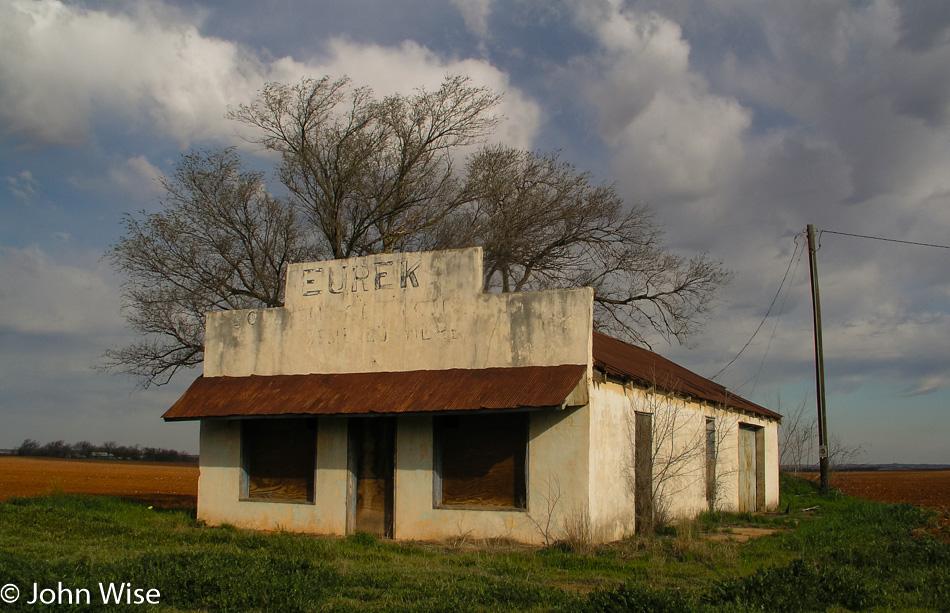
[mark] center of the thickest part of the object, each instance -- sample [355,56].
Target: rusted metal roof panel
[420,391]
[627,361]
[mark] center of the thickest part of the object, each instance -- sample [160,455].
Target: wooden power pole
[819,361]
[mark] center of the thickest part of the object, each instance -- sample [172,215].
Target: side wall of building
[679,455]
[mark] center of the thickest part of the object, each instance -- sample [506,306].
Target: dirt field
[162,484]
[929,488]
[175,485]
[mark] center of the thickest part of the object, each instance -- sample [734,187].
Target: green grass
[846,554]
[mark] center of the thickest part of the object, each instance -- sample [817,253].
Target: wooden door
[373,441]
[748,494]
[643,472]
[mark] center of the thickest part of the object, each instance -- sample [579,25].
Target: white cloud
[672,136]
[63,67]
[401,69]
[38,295]
[134,177]
[929,385]
[63,64]
[23,185]
[475,13]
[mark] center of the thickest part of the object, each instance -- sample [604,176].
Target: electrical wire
[890,240]
[781,309]
[799,252]
[761,323]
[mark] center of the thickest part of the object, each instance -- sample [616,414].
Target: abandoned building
[392,395]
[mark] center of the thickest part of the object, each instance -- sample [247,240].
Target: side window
[480,461]
[711,451]
[279,459]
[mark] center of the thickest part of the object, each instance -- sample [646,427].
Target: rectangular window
[480,461]
[279,459]
[711,493]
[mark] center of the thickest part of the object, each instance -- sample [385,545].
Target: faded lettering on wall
[381,334]
[342,278]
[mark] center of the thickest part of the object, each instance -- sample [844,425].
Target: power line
[761,323]
[781,309]
[890,240]
[782,284]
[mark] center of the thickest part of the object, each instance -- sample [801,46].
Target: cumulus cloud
[673,137]
[64,67]
[841,72]
[834,115]
[41,296]
[408,66]
[63,64]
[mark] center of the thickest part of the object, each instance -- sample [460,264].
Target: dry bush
[578,535]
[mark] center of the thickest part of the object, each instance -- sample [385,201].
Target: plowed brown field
[175,485]
[162,484]
[929,488]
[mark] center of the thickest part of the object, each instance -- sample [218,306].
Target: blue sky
[738,122]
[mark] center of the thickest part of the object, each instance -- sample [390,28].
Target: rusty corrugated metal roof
[627,361]
[419,391]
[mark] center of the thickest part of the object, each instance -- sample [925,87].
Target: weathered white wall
[399,312]
[681,427]
[221,472]
[556,473]
[611,461]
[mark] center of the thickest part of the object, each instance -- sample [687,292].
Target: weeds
[849,554]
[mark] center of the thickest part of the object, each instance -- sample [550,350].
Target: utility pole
[819,361]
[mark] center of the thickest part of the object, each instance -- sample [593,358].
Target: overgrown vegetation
[846,554]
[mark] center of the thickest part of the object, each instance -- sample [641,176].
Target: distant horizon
[808,468]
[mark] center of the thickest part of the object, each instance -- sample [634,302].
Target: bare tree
[221,242]
[370,175]
[545,514]
[797,435]
[677,450]
[720,441]
[798,444]
[543,224]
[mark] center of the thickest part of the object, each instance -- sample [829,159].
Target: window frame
[302,425]
[439,437]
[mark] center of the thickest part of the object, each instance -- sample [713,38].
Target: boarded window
[279,459]
[481,460]
[711,493]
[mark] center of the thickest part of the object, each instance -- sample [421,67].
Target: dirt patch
[739,535]
[160,484]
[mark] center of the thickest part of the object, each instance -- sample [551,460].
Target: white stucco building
[391,395]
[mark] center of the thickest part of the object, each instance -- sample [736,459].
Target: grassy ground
[848,554]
